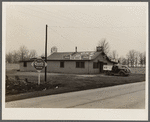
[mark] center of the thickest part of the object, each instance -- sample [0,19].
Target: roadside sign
[39,64]
[107,67]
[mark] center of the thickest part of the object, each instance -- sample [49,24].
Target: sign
[66,57]
[39,64]
[107,67]
[85,57]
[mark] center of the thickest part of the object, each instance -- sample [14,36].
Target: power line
[42,12]
[63,37]
[33,15]
[85,27]
[96,27]
[76,27]
[63,17]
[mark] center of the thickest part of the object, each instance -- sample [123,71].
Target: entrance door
[100,67]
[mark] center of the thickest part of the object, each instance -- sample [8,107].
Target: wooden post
[46,54]
[39,77]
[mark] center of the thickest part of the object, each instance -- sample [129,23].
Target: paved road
[121,96]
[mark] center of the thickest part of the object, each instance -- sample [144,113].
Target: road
[128,96]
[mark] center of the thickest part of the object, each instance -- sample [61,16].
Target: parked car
[116,69]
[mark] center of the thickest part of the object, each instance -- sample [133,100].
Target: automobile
[116,69]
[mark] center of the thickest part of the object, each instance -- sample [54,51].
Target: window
[62,64]
[80,65]
[77,64]
[24,64]
[95,65]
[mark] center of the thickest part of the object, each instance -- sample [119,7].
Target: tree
[114,55]
[131,57]
[128,60]
[105,45]
[24,53]
[15,56]
[136,57]
[123,60]
[141,59]
[9,57]
[144,58]
[32,54]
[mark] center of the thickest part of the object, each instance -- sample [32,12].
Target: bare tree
[105,45]
[9,57]
[131,57]
[128,60]
[15,56]
[136,58]
[141,59]
[24,53]
[144,58]
[32,54]
[114,54]
[122,60]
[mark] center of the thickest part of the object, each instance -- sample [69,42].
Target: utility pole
[46,54]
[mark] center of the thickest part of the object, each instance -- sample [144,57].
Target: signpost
[39,64]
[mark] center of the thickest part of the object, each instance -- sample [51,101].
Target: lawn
[60,83]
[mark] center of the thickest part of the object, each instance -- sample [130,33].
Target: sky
[71,24]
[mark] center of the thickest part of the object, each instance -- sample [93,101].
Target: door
[100,67]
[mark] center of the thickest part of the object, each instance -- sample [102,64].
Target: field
[61,83]
[12,66]
[138,70]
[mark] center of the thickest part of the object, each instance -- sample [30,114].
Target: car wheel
[108,73]
[122,74]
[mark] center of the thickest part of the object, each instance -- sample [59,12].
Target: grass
[68,82]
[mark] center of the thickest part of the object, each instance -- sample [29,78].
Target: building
[89,62]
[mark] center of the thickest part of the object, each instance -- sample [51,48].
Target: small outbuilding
[88,62]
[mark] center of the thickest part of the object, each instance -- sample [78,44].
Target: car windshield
[125,67]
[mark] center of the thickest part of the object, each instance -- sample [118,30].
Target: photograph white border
[68,114]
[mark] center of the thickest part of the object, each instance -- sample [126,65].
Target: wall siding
[99,58]
[29,67]
[69,67]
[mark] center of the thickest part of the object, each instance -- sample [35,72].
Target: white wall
[99,58]
[29,67]
[69,66]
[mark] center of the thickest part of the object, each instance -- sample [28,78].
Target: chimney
[99,49]
[76,49]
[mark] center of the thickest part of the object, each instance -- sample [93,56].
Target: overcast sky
[123,25]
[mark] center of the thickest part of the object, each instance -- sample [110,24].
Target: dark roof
[72,56]
[90,55]
[29,60]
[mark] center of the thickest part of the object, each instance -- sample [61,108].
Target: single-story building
[88,62]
